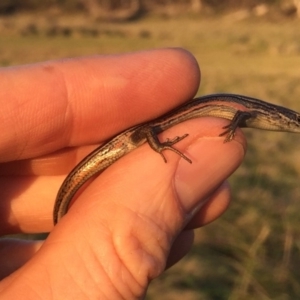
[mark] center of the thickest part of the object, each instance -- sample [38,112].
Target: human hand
[133,220]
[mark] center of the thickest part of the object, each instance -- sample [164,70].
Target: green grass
[253,251]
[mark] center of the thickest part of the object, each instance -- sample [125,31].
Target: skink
[242,111]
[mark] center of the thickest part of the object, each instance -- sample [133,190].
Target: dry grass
[253,251]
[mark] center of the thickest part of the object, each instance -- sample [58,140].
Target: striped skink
[242,111]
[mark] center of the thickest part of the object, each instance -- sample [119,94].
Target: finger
[57,104]
[26,206]
[57,163]
[126,220]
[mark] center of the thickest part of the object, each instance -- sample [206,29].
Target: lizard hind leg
[159,147]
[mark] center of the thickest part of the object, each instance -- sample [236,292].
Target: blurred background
[250,47]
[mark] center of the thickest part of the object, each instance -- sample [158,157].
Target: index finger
[58,104]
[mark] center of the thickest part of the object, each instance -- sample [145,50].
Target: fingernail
[212,162]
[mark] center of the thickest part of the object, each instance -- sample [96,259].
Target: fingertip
[186,65]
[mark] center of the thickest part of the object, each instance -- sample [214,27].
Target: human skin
[135,219]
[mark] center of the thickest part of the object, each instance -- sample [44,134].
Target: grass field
[253,251]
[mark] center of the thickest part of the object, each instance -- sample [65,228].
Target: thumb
[118,234]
